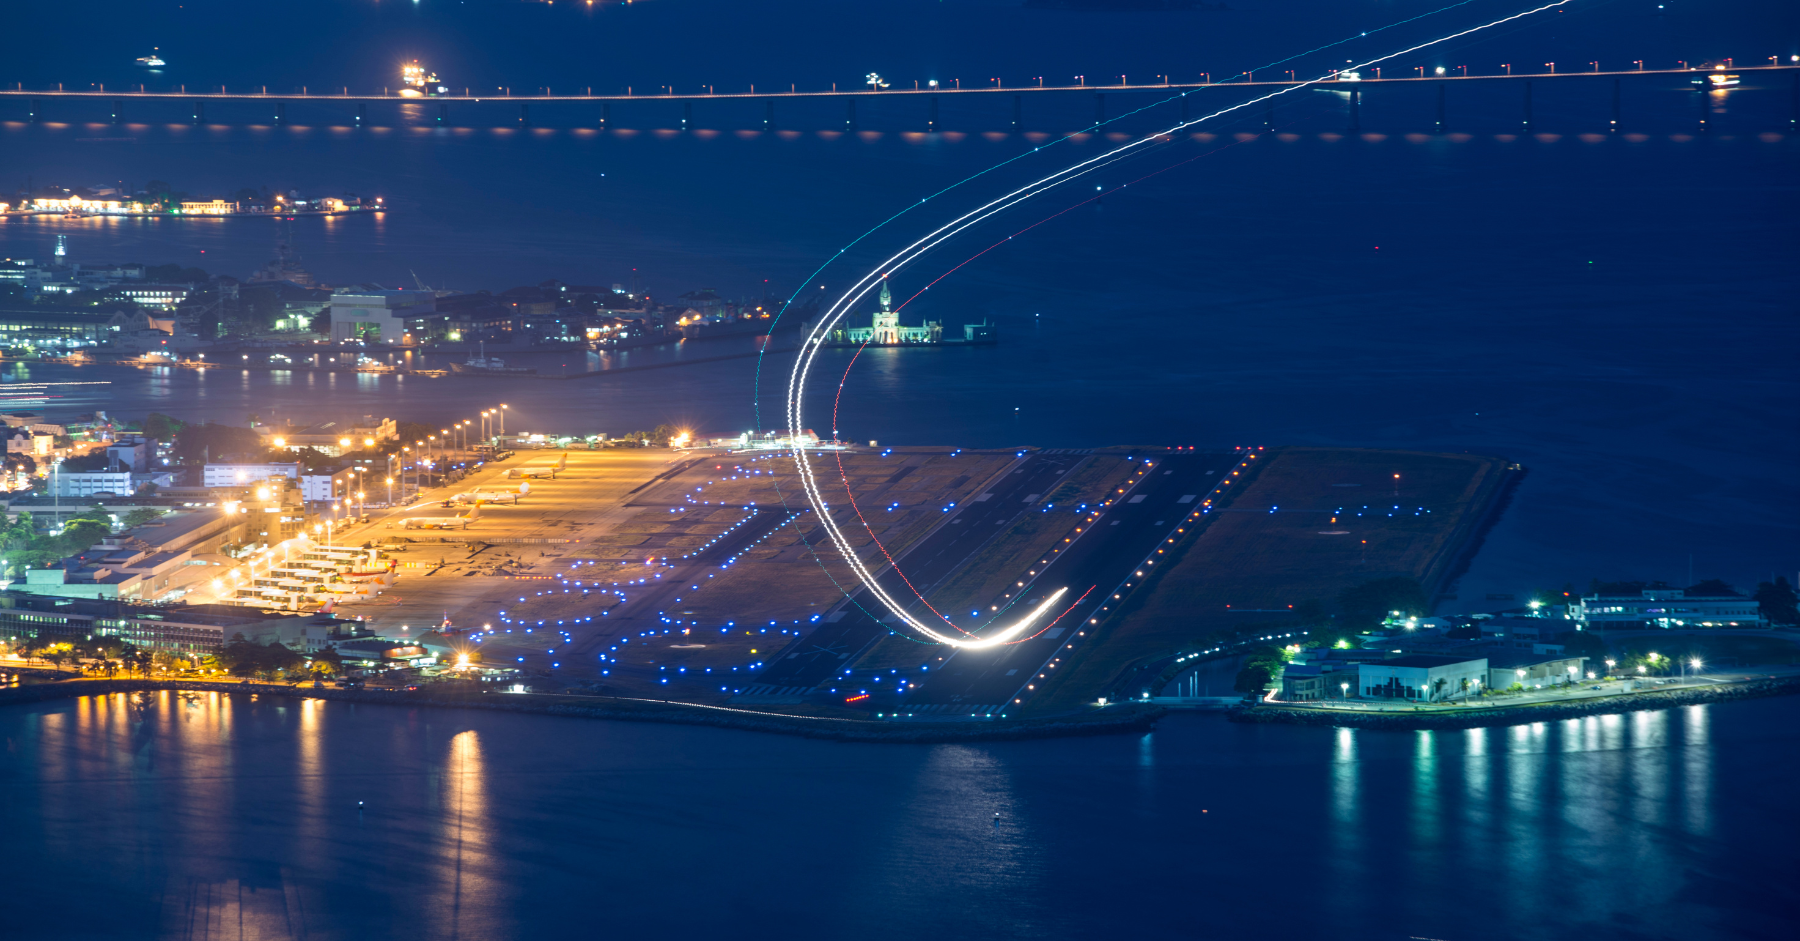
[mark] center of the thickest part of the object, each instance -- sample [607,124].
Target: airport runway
[982,681]
[1101,563]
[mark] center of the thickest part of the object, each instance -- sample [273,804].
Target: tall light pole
[503,419]
[390,486]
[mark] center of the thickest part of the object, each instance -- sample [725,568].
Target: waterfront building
[1423,677]
[885,329]
[178,629]
[1666,608]
[208,207]
[1508,666]
[52,328]
[378,315]
[74,203]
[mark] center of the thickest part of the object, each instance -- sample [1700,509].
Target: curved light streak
[863,286]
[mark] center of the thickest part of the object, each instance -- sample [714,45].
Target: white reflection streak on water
[1648,765]
[1424,790]
[464,863]
[1344,771]
[1696,778]
[1524,777]
[946,827]
[1477,768]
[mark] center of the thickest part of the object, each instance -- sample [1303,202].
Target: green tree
[1712,587]
[140,516]
[1253,678]
[328,661]
[212,441]
[162,427]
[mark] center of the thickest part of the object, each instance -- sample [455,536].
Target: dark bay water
[222,817]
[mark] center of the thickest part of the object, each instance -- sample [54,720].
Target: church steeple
[887,299]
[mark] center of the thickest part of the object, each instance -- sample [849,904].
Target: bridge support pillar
[769,115]
[687,114]
[1440,108]
[1613,126]
[1356,111]
[280,112]
[1018,113]
[1525,126]
[32,115]
[443,113]
[1269,116]
[1099,109]
[199,112]
[362,113]
[931,114]
[1705,108]
[118,111]
[524,115]
[1184,108]
[605,115]
[849,114]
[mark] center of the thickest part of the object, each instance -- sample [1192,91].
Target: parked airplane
[541,470]
[445,522]
[502,495]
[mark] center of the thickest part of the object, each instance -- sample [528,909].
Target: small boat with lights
[151,61]
[490,366]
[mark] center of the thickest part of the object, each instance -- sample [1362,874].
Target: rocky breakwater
[1524,714]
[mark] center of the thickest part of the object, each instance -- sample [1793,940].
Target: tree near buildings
[1778,601]
[1365,606]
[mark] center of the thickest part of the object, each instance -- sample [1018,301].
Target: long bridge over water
[929,94]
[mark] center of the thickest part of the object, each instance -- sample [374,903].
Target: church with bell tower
[885,329]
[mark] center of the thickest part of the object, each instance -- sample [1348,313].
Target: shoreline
[1518,715]
[631,710]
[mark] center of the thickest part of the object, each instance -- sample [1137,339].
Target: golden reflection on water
[465,844]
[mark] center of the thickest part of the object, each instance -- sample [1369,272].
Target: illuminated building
[74,203]
[885,328]
[209,207]
[1666,608]
[377,315]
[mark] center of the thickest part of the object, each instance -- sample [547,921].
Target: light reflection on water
[215,812]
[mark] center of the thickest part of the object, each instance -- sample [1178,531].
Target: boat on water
[482,364]
[416,82]
[151,61]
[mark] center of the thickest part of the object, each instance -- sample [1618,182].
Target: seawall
[1128,719]
[1518,715]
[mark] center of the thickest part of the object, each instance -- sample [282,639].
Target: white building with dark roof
[1666,608]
